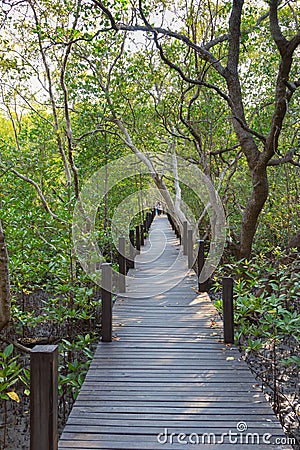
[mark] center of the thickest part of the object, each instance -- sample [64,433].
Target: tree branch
[205,54]
[68,119]
[40,193]
[16,344]
[294,42]
[276,32]
[288,158]
[261,137]
[234,36]
[107,13]
[284,88]
[224,150]
[97,130]
[225,37]
[51,96]
[69,131]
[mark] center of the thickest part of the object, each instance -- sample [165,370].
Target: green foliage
[266,295]
[78,354]
[11,373]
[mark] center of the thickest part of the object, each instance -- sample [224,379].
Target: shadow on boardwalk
[167,381]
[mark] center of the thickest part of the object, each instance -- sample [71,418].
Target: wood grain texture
[43,397]
[167,368]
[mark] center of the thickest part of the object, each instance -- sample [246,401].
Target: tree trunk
[4,283]
[252,211]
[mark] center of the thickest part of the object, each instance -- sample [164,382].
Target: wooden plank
[138,371]
[139,437]
[197,389]
[141,445]
[146,442]
[146,419]
[121,398]
[155,429]
[166,361]
[131,347]
[139,411]
[68,445]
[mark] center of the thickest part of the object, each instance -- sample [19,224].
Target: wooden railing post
[106,302]
[169,219]
[178,232]
[122,264]
[184,237]
[137,239]
[43,397]
[202,287]
[190,248]
[130,261]
[228,318]
[142,237]
[171,222]
[149,220]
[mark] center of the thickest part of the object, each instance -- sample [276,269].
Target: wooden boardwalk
[167,381]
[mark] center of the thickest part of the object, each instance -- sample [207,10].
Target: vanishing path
[167,369]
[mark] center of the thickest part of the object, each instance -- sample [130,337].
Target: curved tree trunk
[4,283]
[252,211]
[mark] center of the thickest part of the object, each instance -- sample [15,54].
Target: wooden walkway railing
[167,380]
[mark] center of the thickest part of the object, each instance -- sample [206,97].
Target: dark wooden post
[137,239]
[190,248]
[184,237]
[177,231]
[227,295]
[171,221]
[131,250]
[43,397]
[106,302]
[202,287]
[122,264]
[142,237]
[149,220]
[173,224]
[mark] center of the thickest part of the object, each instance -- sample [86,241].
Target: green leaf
[8,350]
